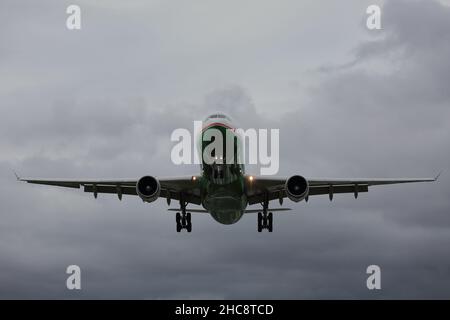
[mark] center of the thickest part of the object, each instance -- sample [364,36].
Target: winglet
[17,176]
[439,174]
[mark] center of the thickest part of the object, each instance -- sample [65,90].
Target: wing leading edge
[171,188]
[258,187]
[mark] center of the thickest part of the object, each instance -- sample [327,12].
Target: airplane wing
[258,187]
[171,188]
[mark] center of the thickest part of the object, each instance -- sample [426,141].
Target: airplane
[224,190]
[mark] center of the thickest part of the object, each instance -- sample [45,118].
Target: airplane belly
[225,208]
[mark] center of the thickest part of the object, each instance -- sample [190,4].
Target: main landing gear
[183,219]
[265,220]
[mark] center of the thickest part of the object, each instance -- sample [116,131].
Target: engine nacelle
[297,188]
[148,188]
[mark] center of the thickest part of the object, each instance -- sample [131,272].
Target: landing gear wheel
[265,219]
[178,219]
[188,218]
[260,218]
[188,222]
[270,222]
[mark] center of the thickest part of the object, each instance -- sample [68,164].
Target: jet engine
[148,188]
[297,188]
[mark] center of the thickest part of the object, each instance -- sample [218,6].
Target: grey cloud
[103,102]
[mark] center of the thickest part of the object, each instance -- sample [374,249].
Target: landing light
[194,178]
[250,178]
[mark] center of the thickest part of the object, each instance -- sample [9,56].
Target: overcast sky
[101,102]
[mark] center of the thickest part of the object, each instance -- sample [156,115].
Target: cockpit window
[218,116]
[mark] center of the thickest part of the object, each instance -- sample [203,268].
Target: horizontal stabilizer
[189,210]
[245,211]
[268,210]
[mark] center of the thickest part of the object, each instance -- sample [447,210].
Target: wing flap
[110,189]
[313,191]
[190,197]
[66,184]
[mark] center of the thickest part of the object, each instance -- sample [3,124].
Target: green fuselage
[223,184]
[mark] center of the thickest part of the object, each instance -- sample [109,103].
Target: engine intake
[297,188]
[148,188]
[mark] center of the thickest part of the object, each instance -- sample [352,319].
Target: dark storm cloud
[81,105]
